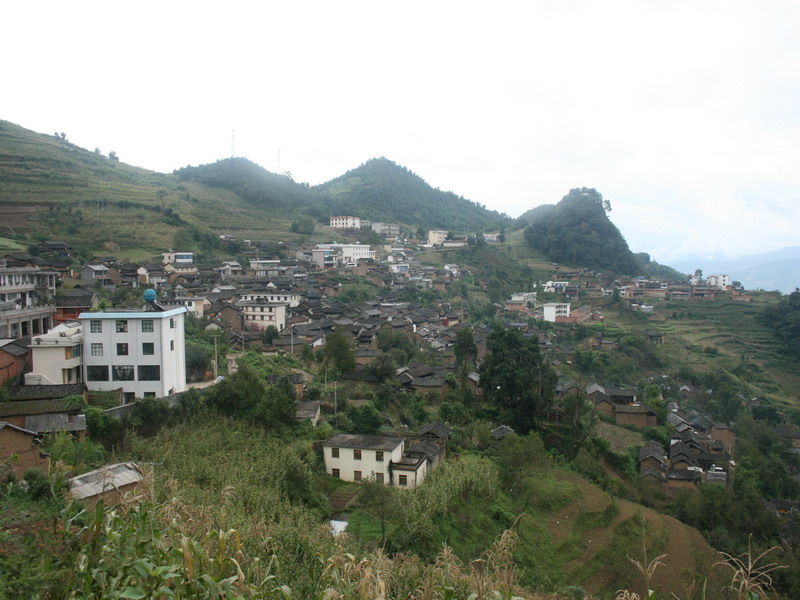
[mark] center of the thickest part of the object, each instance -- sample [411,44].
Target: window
[122,349]
[97,349]
[378,477]
[96,326]
[357,475]
[147,326]
[122,326]
[172,323]
[76,351]
[379,455]
[149,373]
[335,473]
[357,454]
[402,480]
[148,348]
[97,373]
[149,394]
[172,344]
[335,452]
[122,373]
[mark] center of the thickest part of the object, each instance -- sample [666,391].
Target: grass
[619,438]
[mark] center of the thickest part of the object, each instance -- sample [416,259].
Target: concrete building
[291,299]
[57,356]
[257,315]
[346,222]
[350,253]
[553,310]
[719,281]
[386,229]
[437,237]
[385,459]
[138,351]
[353,457]
[179,259]
[26,301]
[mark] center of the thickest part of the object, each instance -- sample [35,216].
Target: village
[59,342]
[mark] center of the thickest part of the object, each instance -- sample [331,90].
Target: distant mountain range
[775,270]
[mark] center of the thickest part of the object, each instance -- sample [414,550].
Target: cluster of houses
[638,292]
[700,451]
[63,344]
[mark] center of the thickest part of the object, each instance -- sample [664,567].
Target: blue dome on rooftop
[150,296]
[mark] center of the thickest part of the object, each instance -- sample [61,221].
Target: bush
[38,483]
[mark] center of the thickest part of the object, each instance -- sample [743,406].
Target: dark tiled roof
[31,407]
[44,392]
[367,442]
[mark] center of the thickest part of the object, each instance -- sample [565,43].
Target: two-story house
[355,457]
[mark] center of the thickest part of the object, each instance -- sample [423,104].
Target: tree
[113,156]
[239,393]
[337,350]
[465,350]
[383,367]
[270,333]
[517,379]
[379,500]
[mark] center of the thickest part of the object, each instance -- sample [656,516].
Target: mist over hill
[774,270]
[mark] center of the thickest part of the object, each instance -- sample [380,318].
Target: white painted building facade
[141,352]
[56,356]
[552,310]
[346,222]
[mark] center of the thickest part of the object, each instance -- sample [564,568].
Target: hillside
[383,190]
[51,187]
[578,232]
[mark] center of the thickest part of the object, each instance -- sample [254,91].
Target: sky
[684,114]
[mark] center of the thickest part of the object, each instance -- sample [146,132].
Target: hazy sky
[683,113]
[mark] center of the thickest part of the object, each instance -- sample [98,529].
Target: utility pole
[216,359]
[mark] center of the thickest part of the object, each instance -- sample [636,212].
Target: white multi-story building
[552,310]
[386,229]
[350,253]
[26,306]
[346,222]
[265,267]
[437,237]
[719,281]
[184,259]
[56,356]
[257,315]
[523,297]
[141,352]
[276,296]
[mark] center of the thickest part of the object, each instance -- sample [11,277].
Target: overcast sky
[683,113]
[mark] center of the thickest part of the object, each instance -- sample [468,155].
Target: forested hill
[577,231]
[383,190]
[253,183]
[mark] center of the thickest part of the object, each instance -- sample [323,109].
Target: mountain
[577,231]
[252,183]
[383,190]
[774,270]
[53,188]
[536,213]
